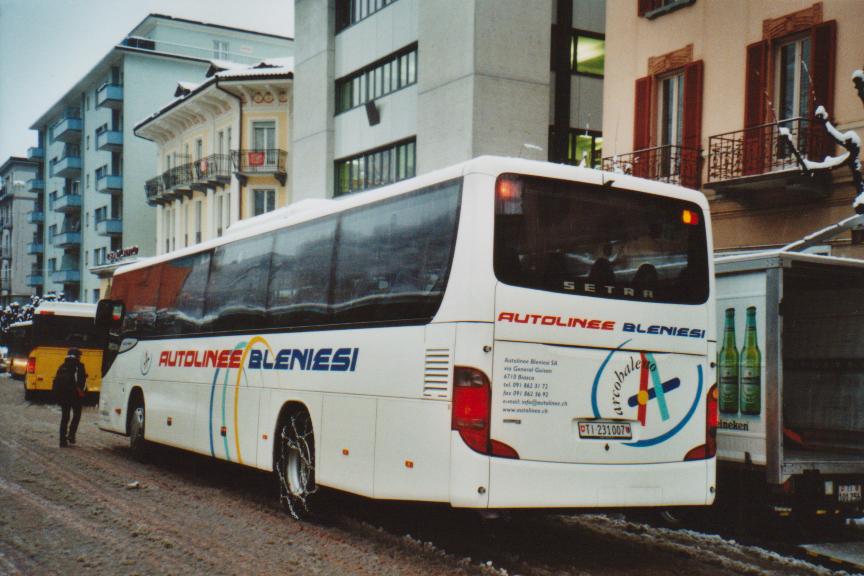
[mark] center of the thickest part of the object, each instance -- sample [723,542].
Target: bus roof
[67,309]
[304,210]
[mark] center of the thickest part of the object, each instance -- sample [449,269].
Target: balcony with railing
[672,164]
[110,96]
[214,170]
[260,162]
[109,183]
[36,153]
[762,159]
[67,202]
[109,227]
[35,185]
[178,180]
[109,140]
[154,188]
[67,239]
[66,276]
[68,128]
[35,278]
[36,216]
[68,165]
[35,247]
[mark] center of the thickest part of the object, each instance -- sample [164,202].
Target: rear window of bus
[577,238]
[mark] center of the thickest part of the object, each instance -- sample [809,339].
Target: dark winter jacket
[70,382]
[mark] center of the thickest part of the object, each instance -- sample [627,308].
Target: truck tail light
[31,365]
[712,419]
[472,407]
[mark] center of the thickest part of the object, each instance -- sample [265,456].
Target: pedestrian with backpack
[70,386]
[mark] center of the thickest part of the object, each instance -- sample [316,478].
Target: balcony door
[670,124]
[793,92]
[264,140]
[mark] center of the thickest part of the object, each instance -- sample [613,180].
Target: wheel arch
[136,395]
[288,409]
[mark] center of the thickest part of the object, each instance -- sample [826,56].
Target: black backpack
[62,385]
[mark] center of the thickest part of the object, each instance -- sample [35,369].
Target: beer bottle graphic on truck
[728,365]
[751,368]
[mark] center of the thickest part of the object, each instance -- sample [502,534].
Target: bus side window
[237,289]
[393,257]
[300,274]
[180,308]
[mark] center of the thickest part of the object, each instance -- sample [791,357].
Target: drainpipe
[240,180]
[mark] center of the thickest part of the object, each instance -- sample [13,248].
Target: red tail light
[31,365]
[472,406]
[709,449]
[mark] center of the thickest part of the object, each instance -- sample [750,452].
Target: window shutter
[690,160]
[823,39]
[642,125]
[646,6]
[754,106]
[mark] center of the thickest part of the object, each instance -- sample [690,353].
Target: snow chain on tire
[296,465]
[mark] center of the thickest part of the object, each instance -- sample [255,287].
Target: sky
[48,45]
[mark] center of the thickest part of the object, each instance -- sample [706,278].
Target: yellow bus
[57,327]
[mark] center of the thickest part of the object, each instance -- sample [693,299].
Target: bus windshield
[65,332]
[578,238]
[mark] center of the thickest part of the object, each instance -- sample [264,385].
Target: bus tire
[137,414]
[295,464]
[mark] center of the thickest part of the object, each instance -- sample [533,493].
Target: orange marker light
[409,464]
[345,452]
[690,217]
[509,189]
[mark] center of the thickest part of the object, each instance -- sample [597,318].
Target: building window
[670,119]
[587,53]
[198,219]
[350,12]
[585,145]
[376,168]
[654,8]
[265,201]
[380,78]
[793,79]
[199,149]
[96,295]
[264,139]
[220,50]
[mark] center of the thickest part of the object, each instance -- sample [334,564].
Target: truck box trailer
[790,346]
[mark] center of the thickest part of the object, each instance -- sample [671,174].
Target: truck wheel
[136,429]
[295,465]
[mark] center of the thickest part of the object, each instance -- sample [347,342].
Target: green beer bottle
[751,368]
[728,365]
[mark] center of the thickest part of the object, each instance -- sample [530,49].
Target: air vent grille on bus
[437,375]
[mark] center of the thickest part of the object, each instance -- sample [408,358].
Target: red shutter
[754,106]
[690,161]
[823,42]
[647,6]
[642,126]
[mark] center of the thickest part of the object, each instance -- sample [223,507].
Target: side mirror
[109,314]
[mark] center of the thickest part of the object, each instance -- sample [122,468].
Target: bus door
[601,324]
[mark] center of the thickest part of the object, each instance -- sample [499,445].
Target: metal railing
[762,149]
[154,187]
[212,168]
[259,161]
[673,164]
[182,175]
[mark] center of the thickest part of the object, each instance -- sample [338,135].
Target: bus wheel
[295,464]
[136,429]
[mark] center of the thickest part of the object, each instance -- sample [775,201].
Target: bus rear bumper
[525,484]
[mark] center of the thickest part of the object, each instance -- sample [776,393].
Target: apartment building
[223,151]
[387,89]
[19,212]
[702,93]
[95,168]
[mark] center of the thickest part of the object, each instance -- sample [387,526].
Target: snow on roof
[79,309]
[286,62]
[184,88]
[858,74]
[253,72]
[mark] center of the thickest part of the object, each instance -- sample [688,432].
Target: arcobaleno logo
[321,359]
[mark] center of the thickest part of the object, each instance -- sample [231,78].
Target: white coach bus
[499,334]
